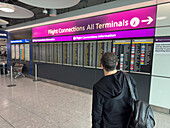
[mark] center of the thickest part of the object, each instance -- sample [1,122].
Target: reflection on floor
[42,105]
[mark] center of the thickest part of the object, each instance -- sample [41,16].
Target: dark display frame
[121,43]
[29,52]
[50,52]
[14,51]
[59,48]
[20,57]
[96,58]
[90,52]
[76,52]
[35,57]
[147,69]
[19,52]
[106,49]
[67,58]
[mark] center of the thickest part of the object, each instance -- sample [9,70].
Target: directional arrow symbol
[149,20]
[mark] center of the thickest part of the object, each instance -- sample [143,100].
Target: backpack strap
[130,87]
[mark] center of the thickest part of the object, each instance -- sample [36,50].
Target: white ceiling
[106,8]
[19,12]
[51,4]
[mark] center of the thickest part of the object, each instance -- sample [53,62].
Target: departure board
[90,54]
[27,52]
[49,52]
[141,55]
[35,51]
[78,53]
[67,53]
[42,47]
[121,48]
[17,51]
[58,53]
[102,47]
[13,51]
[22,51]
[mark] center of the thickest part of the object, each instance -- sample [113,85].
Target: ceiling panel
[38,12]
[51,4]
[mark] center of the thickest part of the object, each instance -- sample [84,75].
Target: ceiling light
[6,7]
[161,18]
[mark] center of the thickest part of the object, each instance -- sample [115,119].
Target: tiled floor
[42,105]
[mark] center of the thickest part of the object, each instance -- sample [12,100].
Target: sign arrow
[149,20]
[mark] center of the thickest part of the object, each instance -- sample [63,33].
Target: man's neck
[110,73]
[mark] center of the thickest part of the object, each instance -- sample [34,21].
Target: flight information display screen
[102,47]
[133,55]
[141,55]
[13,51]
[42,47]
[90,54]
[121,48]
[22,51]
[67,53]
[58,53]
[17,51]
[27,52]
[78,53]
[35,49]
[49,52]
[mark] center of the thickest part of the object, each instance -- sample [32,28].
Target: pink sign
[53,39]
[133,19]
[116,35]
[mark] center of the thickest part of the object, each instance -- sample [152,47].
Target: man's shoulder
[100,82]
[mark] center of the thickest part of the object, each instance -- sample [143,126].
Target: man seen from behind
[111,106]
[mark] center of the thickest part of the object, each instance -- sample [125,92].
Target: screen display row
[132,55]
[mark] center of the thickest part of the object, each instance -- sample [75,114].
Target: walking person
[111,107]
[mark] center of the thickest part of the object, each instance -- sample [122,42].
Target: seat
[18,70]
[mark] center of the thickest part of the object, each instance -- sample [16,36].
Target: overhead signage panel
[116,35]
[20,41]
[53,39]
[162,46]
[3,34]
[133,19]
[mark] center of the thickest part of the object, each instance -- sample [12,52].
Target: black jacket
[112,101]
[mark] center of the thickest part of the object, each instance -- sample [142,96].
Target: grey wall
[21,34]
[87,77]
[160,81]
[83,77]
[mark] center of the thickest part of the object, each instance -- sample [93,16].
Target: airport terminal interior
[50,58]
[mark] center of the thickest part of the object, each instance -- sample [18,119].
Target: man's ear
[116,64]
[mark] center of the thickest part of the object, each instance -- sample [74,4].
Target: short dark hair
[108,61]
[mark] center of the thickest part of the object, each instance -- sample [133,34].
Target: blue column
[30,57]
[8,47]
